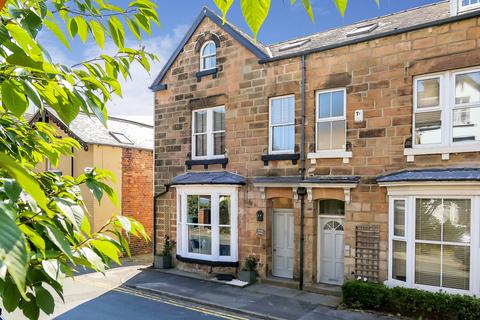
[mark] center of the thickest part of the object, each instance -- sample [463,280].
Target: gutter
[302,191]
[155,197]
[435,23]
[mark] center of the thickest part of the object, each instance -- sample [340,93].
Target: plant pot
[248,276]
[163,262]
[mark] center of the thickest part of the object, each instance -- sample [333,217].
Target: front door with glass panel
[331,250]
[283,244]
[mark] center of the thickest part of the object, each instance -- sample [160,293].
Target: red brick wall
[137,194]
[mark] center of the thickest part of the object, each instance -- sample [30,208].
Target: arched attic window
[208,56]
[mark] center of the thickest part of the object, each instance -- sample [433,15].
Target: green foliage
[410,302]
[250,264]
[256,11]
[168,245]
[44,224]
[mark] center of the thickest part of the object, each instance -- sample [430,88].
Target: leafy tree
[44,226]
[256,11]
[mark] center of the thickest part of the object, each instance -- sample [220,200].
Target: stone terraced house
[350,152]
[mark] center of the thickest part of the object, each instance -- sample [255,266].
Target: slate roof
[447,174]
[393,22]
[89,130]
[206,177]
[313,180]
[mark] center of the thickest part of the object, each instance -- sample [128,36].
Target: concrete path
[258,300]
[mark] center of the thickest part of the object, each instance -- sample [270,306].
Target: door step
[281,282]
[326,289]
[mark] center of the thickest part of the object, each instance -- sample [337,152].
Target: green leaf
[13,98]
[58,238]
[32,94]
[33,236]
[24,179]
[13,252]
[255,12]
[125,223]
[98,33]
[224,6]
[116,30]
[342,6]
[52,269]
[82,28]
[21,59]
[30,308]
[12,189]
[133,26]
[106,248]
[72,211]
[44,300]
[72,27]
[11,300]
[95,189]
[24,40]
[308,7]
[93,259]
[53,27]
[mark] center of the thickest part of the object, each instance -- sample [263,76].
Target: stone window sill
[205,73]
[345,155]
[206,162]
[444,151]
[279,157]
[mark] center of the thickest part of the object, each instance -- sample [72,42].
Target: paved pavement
[94,296]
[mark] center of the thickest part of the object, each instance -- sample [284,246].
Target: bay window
[432,242]
[207,220]
[208,138]
[447,112]
[282,124]
[465,5]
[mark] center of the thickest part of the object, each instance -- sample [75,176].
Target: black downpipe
[301,191]
[154,236]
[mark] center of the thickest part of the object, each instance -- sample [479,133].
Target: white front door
[331,250]
[283,245]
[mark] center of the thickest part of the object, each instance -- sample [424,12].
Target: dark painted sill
[279,157]
[207,262]
[205,163]
[205,73]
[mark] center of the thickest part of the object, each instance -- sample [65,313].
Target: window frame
[210,134]
[271,126]
[462,8]
[330,119]
[182,225]
[447,105]
[410,196]
[202,56]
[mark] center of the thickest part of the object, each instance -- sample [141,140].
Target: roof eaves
[373,37]
[206,12]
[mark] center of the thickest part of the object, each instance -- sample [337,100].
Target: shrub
[410,302]
[250,264]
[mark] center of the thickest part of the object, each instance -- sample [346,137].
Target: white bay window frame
[447,105]
[433,191]
[468,7]
[215,192]
[210,134]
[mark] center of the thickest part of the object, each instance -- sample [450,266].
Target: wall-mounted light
[259,215]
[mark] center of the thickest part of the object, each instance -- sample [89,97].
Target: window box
[206,163]
[446,113]
[279,157]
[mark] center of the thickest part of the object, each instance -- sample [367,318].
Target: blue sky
[284,22]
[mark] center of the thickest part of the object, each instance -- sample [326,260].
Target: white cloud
[137,102]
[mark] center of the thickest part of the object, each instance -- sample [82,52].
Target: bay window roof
[199,178]
[432,174]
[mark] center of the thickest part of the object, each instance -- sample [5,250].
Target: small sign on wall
[260,232]
[358,116]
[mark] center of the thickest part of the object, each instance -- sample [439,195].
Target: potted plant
[164,260]
[249,270]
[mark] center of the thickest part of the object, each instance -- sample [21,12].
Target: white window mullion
[475,246]
[215,226]
[184,223]
[448,97]
[410,234]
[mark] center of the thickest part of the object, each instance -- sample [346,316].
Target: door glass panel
[467,88]
[428,127]
[428,93]
[427,264]
[399,218]
[399,264]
